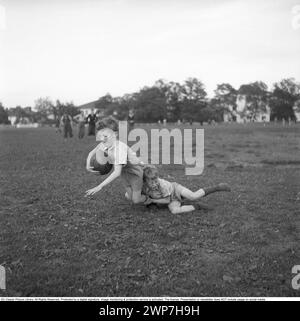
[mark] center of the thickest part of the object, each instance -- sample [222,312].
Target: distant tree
[257,97]
[223,101]
[58,109]
[216,110]
[115,108]
[174,95]
[193,90]
[70,109]
[225,97]
[3,115]
[122,105]
[285,99]
[194,100]
[23,114]
[44,106]
[104,102]
[20,114]
[150,105]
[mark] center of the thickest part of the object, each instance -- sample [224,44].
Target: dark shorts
[176,193]
[133,177]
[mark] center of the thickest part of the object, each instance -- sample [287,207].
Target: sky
[79,50]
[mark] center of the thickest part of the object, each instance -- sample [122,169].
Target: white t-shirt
[132,167]
[164,189]
[120,154]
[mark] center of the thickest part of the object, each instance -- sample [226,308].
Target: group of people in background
[65,124]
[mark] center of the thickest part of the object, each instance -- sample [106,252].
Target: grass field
[55,242]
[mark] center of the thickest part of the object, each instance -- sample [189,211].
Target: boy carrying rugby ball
[125,162]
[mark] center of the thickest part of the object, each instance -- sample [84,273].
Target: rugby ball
[103,169]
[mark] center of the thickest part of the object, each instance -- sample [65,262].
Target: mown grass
[55,242]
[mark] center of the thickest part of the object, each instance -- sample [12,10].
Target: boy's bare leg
[137,197]
[176,208]
[194,196]
[128,194]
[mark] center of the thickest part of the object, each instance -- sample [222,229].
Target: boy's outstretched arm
[115,174]
[88,160]
[165,200]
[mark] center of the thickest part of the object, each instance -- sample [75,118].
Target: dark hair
[108,122]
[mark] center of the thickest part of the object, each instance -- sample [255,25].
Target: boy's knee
[173,211]
[194,197]
[128,194]
[136,200]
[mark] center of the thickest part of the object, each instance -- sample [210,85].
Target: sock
[204,207]
[218,188]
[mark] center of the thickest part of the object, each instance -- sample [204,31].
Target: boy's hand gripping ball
[101,167]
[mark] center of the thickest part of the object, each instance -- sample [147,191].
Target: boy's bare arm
[165,200]
[116,173]
[88,160]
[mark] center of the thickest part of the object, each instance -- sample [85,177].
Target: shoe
[152,206]
[203,207]
[224,187]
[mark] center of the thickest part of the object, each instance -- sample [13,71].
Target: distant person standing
[81,124]
[116,114]
[91,120]
[57,125]
[99,115]
[67,122]
[131,119]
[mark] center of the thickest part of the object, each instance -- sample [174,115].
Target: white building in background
[296,109]
[236,112]
[297,115]
[264,116]
[239,113]
[12,119]
[89,107]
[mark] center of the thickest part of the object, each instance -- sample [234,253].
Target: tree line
[44,112]
[174,101]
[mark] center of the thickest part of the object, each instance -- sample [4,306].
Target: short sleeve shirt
[120,154]
[164,189]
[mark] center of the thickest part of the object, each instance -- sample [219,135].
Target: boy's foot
[152,206]
[224,187]
[200,206]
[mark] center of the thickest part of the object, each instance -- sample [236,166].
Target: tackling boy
[161,191]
